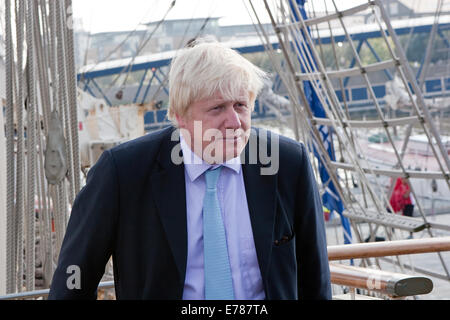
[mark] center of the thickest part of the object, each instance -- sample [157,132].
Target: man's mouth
[232,139]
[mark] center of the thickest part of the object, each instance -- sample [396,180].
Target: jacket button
[277,242]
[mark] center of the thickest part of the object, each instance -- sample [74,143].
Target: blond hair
[205,68]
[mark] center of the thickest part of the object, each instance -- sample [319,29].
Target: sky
[115,15]
[119,15]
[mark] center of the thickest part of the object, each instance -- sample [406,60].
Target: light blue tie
[218,282]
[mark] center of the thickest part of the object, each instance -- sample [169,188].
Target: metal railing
[44,292]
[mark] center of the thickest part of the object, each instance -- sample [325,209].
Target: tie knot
[211,177]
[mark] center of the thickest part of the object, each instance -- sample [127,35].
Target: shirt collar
[195,166]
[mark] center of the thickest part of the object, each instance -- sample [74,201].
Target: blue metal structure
[155,67]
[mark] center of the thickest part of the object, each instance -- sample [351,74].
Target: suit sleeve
[89,237]
[312,257]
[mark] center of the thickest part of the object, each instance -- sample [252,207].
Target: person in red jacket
[401,199]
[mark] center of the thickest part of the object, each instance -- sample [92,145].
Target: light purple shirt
[245,272]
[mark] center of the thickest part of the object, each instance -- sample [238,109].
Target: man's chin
[233,150]
[224,156]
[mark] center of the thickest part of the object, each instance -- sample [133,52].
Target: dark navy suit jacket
[133,208]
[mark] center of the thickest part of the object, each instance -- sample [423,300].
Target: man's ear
[251,100]
[180,120]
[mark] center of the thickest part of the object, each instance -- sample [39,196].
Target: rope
[330,113]
[318,142]
[38,28]
[41,62]
[418,112]
[427,118]
[59,218]
[73,106]
[277,66]
[61,61]
[53,55]
[145,17]
[55,218]
[181,46]
[9,149]
[139,49]
[20,20]
[430,43]
[43,82]
[334,113]
[304,50]
[58,84]
[56,214]
[31,150]
[44,216]
[43,41]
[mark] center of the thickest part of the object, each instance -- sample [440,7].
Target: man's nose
[232,120]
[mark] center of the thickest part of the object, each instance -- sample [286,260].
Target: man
[200,210]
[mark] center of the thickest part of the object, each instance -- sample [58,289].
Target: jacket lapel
[168,186]
[169,192]
[261,198]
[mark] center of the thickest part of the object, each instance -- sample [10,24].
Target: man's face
[219,129]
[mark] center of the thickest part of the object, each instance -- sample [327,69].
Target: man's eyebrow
[220,102]
[214,104]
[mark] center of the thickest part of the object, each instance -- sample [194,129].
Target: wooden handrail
[385,282]
[388,248]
